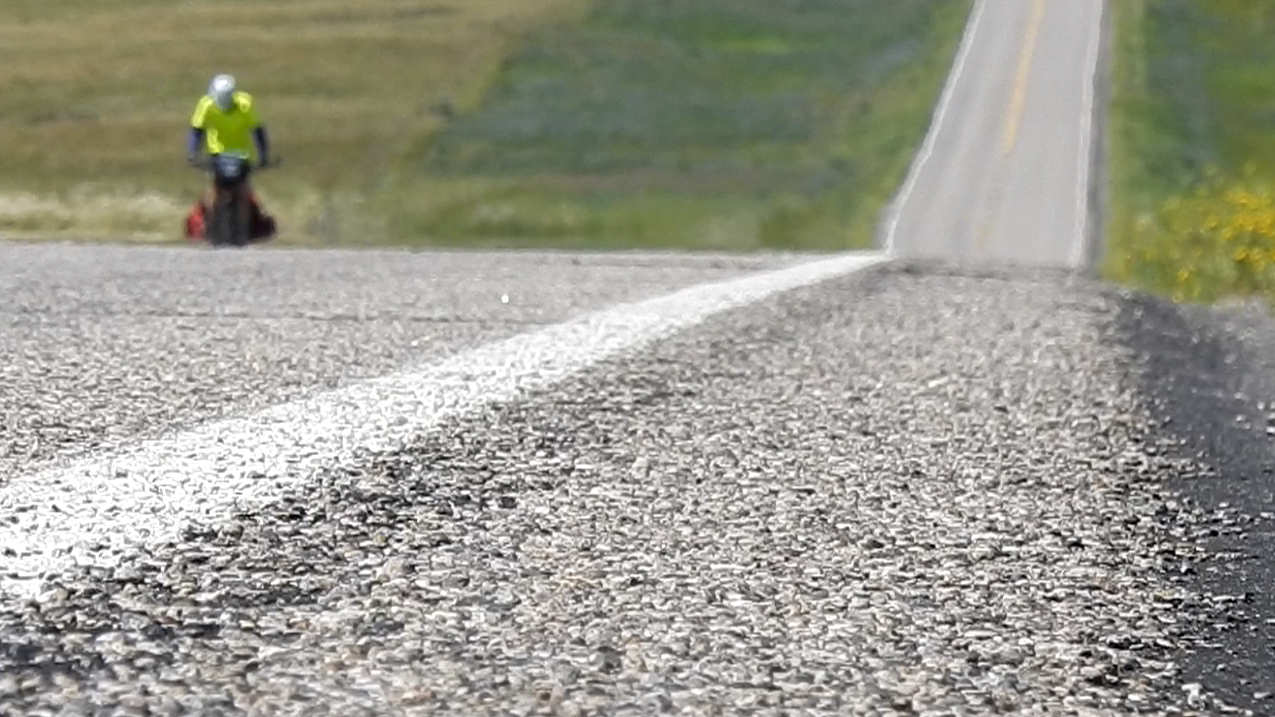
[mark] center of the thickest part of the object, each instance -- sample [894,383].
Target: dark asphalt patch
[1210,379]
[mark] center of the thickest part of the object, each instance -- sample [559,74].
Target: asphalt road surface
[1005,174]
[380,483]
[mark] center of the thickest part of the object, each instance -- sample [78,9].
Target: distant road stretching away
[1005,172]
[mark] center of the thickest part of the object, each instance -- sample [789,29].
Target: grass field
[1193,148]
[722,124]
[97,96]
[727,124]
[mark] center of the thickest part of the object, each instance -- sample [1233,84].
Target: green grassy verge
[716,124]
[97,97]
[1193,151]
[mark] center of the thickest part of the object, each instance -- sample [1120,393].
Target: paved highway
[1005,174]
[364,483]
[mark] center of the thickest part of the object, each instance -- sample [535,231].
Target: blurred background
[722,124]
[692,124]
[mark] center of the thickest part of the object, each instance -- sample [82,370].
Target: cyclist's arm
[259,135]
[262,141]
[194,142]
[196,136]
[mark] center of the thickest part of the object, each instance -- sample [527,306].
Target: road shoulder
[1209,375]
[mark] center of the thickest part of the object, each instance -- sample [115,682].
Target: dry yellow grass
[97,94]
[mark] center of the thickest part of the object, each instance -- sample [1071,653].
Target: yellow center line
[1012,119]
[1020,82]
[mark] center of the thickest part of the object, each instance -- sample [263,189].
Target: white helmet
[222,91]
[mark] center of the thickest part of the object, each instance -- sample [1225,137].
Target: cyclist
[225,122]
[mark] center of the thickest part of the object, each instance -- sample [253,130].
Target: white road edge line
[1084,179]
[103,509]
[936,125]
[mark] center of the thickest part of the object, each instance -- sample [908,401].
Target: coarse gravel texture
[894,493]
[103,345]
[1212,373]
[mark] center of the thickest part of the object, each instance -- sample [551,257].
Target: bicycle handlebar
[206,164]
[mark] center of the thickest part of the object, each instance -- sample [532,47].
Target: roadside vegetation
[97,97]
[722,124]
[1193,148]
